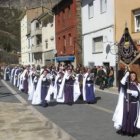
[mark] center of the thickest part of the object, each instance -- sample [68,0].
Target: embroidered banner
[127,48]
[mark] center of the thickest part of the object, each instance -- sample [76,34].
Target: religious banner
[127,48]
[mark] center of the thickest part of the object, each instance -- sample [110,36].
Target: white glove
[88,78]
[76,78]
[35,80]
[134,93]
[44,79]
[67,77]
[51,77]
[128,91]
[127,74]
[124,79]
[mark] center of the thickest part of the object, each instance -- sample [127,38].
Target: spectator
[111,77]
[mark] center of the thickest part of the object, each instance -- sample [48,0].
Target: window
[28,42]
[69,11]
[32,57]
[37,25]
[137,20]
[38,39]
[29,57]
[63,15]
[58,41]
[46,44]
[64,39]
[70,40]
[103,6]
[91,9]
[98,45]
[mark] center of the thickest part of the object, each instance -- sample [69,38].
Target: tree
[9,29]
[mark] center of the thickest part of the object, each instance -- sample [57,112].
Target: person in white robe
[126,117]
[36,100]
[31,85]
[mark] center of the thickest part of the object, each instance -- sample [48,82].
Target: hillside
[27,3]
[9,29]
[10,11]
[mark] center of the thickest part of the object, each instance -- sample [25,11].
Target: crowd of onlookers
[104,76]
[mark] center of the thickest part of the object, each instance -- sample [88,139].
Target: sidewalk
[112,90]
[20,121]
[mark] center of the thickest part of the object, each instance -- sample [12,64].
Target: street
[80,121]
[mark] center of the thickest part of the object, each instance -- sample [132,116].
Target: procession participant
[68,87]
[53,73]
[41,90]
[79,78]
[19,74]
[31,85]
[21,86]
[57,83]
[50,91]
[12,75]
[88,87]
[7,73]
[60,96]
[16,75]
[37,94]
[127,110]
[76,88]
[25,79]
[36,78]
[44,88]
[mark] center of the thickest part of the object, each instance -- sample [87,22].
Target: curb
[112,90]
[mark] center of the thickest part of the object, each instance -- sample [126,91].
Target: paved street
[79,121]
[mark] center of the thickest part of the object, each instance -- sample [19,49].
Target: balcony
[38,31]
[37,48]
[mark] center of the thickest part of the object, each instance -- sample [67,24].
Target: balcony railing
[37,48]
[38,31]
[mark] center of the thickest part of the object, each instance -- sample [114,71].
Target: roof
[43,15]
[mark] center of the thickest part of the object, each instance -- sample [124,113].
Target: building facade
[41,40]
[98,32]
[68,31]
[48,38]
[129,17]
[35,43]
[27,17]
